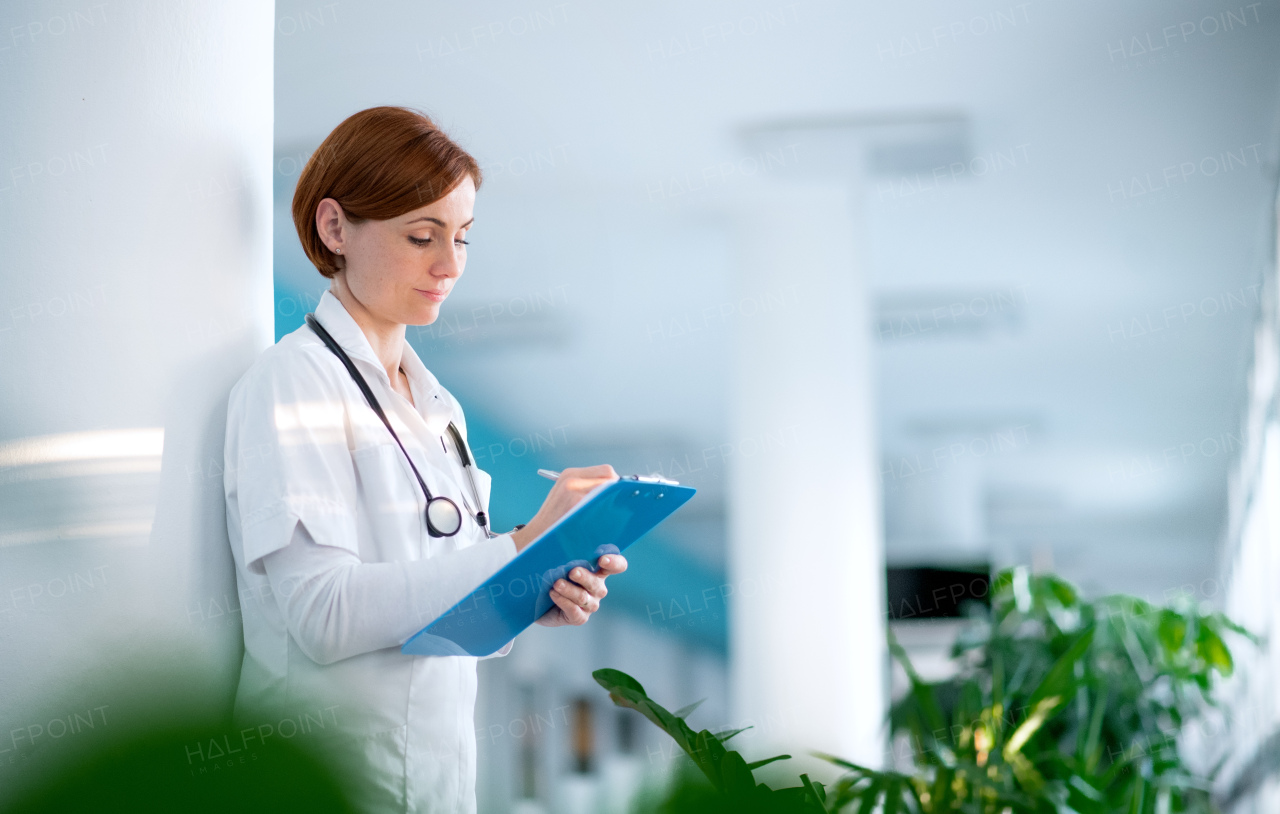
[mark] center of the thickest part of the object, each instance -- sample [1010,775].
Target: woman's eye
[419,241]
[462,242]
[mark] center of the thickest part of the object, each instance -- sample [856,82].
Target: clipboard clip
[650,479]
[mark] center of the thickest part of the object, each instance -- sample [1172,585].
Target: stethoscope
[444,518]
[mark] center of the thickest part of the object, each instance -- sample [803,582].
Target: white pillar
[135,288]
[807,650]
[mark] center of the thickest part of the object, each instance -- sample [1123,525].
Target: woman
[325,513]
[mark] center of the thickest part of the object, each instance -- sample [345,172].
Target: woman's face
[402,269]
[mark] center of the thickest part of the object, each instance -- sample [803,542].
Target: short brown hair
[379,163]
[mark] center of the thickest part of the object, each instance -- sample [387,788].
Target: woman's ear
[330,220]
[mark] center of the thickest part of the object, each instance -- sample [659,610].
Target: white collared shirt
[336,569]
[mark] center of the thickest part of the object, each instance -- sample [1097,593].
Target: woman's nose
[448,266]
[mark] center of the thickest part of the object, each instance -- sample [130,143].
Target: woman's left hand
[579,596]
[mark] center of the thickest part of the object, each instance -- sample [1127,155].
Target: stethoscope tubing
[438,502]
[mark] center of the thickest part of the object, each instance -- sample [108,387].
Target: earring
[337,251]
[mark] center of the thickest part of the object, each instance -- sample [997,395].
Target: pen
[548,474]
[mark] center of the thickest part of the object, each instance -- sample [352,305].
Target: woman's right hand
[572,485]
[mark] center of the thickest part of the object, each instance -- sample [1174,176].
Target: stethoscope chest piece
[444,518]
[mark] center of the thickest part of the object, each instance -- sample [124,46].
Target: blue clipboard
[605,522]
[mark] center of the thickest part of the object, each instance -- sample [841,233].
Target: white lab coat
[336,569]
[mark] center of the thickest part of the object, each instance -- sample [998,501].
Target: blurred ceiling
[1065,270]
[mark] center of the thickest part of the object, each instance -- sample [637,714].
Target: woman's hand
[572,485]
[579,596]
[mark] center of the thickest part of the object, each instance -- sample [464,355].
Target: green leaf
[655,712]
[941,795]
[815,790]
[616,679]
[845,791]
[685,712]
[1028,776]
[1043,709]
[845,764]
[1061,678]
[892,797]
[1211,648]
[1091,744]
[917,804]
[872,794]
[1221,621]
[1138,798]
[997,679]
[736,775]
[756,764]
[1063,591]
[1081,785]
[725,734]
[1172,630]
[1002,581]
[926,701]
[627,692]
[710,754]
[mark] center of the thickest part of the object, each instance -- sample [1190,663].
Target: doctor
[335,563]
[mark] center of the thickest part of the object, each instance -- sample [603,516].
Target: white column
[807,650]
[135,288]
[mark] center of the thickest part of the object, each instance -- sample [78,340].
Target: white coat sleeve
[337,606]
[287,458]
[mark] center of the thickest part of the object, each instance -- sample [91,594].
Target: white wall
[1248,782]
[135,288]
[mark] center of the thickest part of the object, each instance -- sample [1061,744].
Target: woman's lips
[434,296]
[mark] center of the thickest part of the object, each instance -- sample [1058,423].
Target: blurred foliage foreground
[1060,706]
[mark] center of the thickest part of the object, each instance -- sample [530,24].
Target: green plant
[732,785]
[1061,705]
[1064,705]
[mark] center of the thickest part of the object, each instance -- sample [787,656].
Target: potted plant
[1060,705]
